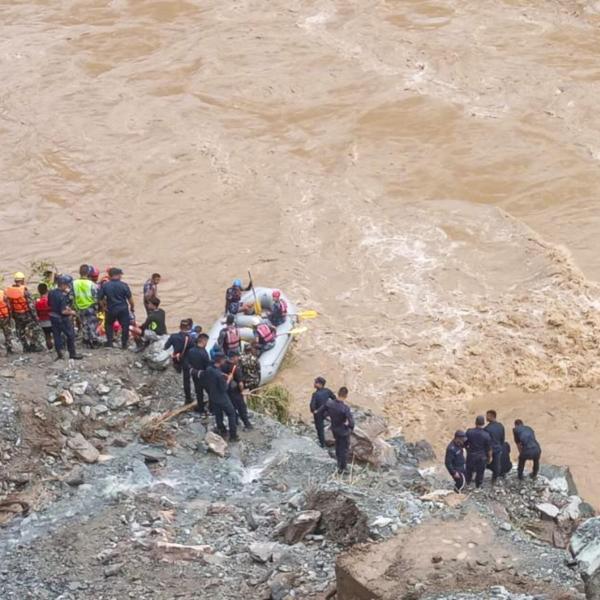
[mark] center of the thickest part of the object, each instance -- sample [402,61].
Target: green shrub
[272,400]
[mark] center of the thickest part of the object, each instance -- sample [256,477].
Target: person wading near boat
[250,367]
[230,338]
[150,291]
[199,360]
[342,425]
[278,312]
[42,308]
[479,451]
[235,390]
[265,337]
[86,304]
[317,401]
[116,298]
[496,431]
[529,448]
[233,297]
[455,460]
[6,323]
[217,384]
[61,318]
[181,342]
[22,309]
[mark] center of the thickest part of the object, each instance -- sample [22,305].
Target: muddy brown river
[424,174]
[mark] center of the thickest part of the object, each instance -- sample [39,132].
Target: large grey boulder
[560,479]
[83,449]
[299,526]
[585,548]
[156,356]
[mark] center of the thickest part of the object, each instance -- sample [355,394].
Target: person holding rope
[455,460]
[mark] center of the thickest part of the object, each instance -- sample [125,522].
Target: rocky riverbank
[89,508]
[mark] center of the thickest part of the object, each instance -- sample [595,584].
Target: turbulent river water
[423,173]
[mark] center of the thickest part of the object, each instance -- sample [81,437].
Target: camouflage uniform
[28,329]
[251,370]
[89,326]
[6,328]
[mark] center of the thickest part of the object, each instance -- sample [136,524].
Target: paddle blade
[308,314]
[297,330]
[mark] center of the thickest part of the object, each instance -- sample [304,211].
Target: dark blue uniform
[318,399]
[235,394]
[529,449]
[216,383]
[117,294]
[342,424]
[62,324]
[496,431]
[181,344]
[479,444]
[455,463]
[198,360]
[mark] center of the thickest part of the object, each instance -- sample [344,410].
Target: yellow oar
[307,314]
[295,331]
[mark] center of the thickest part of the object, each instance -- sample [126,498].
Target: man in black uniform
[318,399]
[115,297]
[529,448]
[342,425]
[496,431]
[217,383]
[236,387]
[61,319]
[198,361]
[181,343]
[455,460]
[479,451]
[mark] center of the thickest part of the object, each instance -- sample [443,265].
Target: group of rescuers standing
[104,305]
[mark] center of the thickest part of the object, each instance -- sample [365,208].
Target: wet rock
[422,451]
[571,511]
[215,443]
[102,390]
[83,449]
[75,478]
[280,586]
[79,389]
[122,399]
[302,524]
[585,547]
[297,500]
[367,442]
[381,521]
[101,433]
[113,570]
[100,409]
[152,455]
[548,511]
[119,442]
[506,526]
[560,479]
[156,357]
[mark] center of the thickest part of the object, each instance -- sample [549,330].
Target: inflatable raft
[271,360]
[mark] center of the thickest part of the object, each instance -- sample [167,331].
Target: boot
[59,355]
[76,357]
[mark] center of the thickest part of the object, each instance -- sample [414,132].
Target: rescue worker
[42,308]
[233,297]
[24,315]
[250,367]
[117,301]
[479,452]
[217,383]
[86,303]
[6,323]
[181,342]
[150,290]
[265,337]
[496,431]
[318,400]
[154,325]
[199,360]
[230,337]
[61,318]
[94,273]
[236,387]
[455,460]
[529,448]
[342,425]
[278,312]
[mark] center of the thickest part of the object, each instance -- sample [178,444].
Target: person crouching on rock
[217,384]
[455,460]
[529,448]
[342,425]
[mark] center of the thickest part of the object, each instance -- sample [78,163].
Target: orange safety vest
[16,295]
[4,309]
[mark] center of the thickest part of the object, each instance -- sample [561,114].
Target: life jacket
[16,295]
[232,338]
[265,333]
[4,309]
[83,289]
[279,312]
[43,308]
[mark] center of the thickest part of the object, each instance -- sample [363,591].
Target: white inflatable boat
[271,360]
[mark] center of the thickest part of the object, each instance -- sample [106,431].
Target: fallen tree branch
[150,431]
